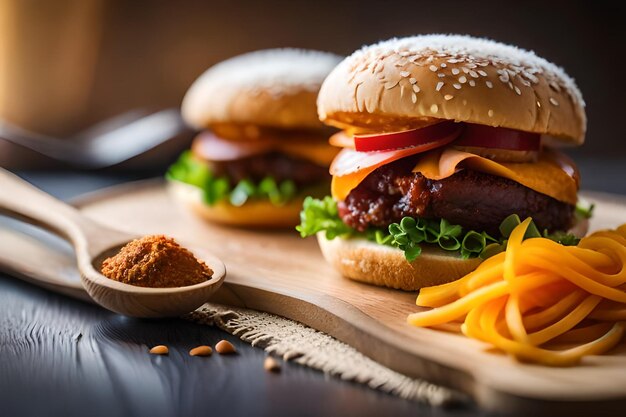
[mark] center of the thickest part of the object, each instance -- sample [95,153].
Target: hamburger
[447,142]
[260,147]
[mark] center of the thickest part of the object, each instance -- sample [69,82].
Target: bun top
[274,88]
[408,82]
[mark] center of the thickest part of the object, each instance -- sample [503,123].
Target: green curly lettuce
[193,171]
[411,233]
[322,216]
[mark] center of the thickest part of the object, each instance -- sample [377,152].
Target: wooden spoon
[93,243]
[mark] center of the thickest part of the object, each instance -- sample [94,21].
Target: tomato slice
[211,147]
[498,137]
[407,138]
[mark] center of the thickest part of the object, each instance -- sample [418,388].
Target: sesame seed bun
[274,88]
[258,213]
[365,261]
[410,82]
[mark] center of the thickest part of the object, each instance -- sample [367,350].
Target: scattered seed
[160,350]
[457,86]
[483,73]
[439,85]
[412,80]
[414,98]
[472,83]
[416,88]
[404,74]
[201,351]
[489,84]
[434,108]
[271,365]
[518,91]
[224,347]
[433,68]
[448,97]
[490,113]
[462,79]
[455,71]
[553,101]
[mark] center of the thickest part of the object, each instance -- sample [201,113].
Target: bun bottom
[369,262]
[258,214]
[365,261]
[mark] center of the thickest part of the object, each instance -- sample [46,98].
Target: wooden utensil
[93,243]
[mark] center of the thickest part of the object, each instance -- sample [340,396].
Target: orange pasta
[539,301]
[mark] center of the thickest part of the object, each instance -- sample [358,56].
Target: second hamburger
[261,147]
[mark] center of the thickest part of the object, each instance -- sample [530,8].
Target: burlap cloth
[296,342]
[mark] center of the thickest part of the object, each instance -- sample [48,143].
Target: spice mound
[155,261]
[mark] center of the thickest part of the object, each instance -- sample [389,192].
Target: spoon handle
[22,200]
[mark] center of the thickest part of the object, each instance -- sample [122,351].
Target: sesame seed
[405,74]
[457,86]
[510,85]
[412,80]
[489,84]
[473,73]
[472,83]
[441,74]
[455,71]
[553,101]
[465,70]
[414,98]
[462,79]
[391,84]
[434,108]
[448,96]
[443,65]
[439,85]
[416,88]
[483,73]
[517,90]
[538,103]
[433,68]
[490,113]
[464,102]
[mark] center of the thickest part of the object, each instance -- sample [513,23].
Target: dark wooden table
[62,357]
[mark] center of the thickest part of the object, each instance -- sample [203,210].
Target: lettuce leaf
[410,233]
[193,171]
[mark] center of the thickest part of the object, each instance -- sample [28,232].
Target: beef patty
[472,199]
[279,166]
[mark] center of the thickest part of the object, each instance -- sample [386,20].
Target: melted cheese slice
[320,153]
[553,174]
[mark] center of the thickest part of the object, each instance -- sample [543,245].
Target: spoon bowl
[93,243]
[147,302]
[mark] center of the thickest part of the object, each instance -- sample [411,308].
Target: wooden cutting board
[281,273]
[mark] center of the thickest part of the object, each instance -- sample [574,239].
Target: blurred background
[66,65]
